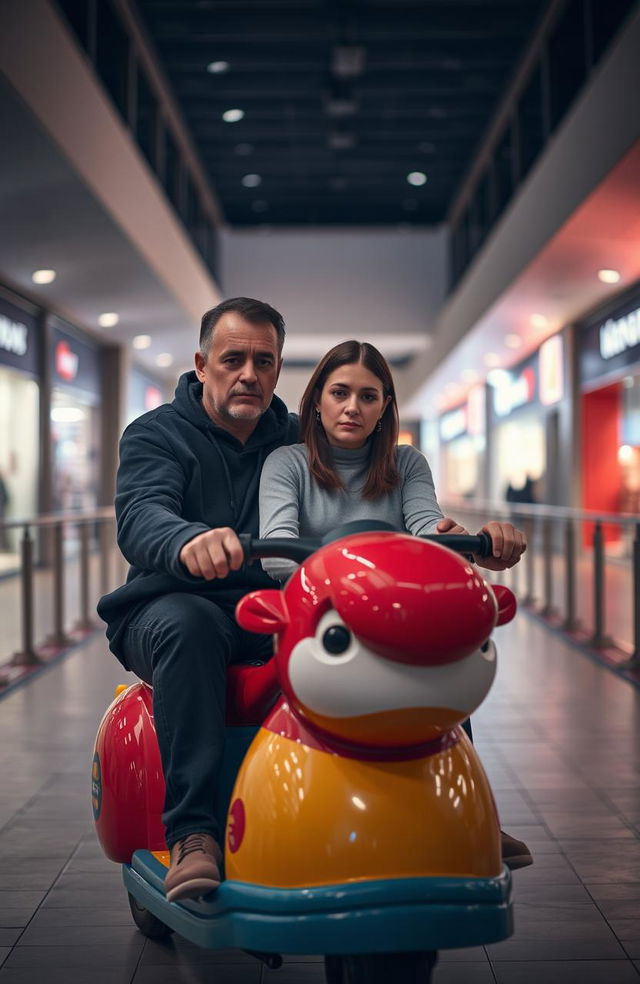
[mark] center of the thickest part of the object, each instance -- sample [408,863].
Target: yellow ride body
[302,816]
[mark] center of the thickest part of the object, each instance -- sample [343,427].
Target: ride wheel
[380,968]
[148,924]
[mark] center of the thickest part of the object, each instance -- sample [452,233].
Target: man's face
[240,374]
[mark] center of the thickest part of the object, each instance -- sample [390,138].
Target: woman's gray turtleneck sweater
[293,504]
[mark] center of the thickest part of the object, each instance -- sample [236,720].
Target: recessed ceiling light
[141,341]
[513,341]
[43,276]
[491,359]
[109,319]
[233,115]
[608,276]
[251,180]
[218,67]
[164,359]
[417,178]
[538,321]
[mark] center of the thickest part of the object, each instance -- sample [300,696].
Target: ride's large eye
[336,639]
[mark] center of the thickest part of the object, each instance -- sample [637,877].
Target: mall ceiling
[341,99]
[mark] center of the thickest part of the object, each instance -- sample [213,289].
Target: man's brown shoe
[515,853]
[195,868]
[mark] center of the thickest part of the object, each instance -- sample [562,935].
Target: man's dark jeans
[182,644]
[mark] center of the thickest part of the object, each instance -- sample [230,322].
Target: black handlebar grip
[486,547]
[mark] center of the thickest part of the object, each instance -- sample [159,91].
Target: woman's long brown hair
[383,474]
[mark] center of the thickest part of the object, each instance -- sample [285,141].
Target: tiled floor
[559,737]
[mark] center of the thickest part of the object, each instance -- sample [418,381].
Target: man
[187,484]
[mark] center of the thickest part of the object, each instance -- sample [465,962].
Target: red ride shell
[410,600]
[128,785]
[127,781]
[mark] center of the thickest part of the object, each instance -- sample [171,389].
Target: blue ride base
[399,914]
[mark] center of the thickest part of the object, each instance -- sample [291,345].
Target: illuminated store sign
[18,338]
[550,371]
[75,362]
[453,424]
[616,336]
[14,336]
[66,362]
[512,392]
[609,340]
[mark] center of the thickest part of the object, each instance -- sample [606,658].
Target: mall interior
[456,182]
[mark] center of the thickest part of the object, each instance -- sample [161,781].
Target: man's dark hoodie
[181,475]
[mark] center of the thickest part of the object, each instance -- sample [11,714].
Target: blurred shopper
[350,467]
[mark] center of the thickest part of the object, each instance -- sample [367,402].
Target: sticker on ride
[235,825]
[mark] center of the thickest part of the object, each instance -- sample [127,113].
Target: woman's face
[351,404]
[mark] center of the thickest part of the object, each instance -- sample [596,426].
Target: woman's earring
[318,418]
[379,425]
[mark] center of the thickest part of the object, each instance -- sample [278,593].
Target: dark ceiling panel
[342,99]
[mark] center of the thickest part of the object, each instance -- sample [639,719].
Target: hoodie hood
[272,426]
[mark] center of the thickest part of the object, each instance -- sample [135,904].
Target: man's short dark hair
[257,312]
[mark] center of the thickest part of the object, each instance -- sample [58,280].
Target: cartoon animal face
[383,639]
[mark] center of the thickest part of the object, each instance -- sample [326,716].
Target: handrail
[555,560]
[499,507]
[51,519]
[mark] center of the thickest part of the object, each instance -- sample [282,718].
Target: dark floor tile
[631,948]
[613,890]
[110,895]
[194,974]
[295,973]
[564,949]
[462,973]
[177,951]
[87,957]
[550,895]
[38,935]
[15,917]
[101,915]
[9,935]
[567,972]
[475,954]
[17,899]
[66,975]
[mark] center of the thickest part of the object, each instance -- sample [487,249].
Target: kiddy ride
[361,824]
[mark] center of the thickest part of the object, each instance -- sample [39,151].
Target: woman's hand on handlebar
[213,554]
[448,525]
[509,543]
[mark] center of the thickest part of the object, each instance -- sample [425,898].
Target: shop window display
[18,457]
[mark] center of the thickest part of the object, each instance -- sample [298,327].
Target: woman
[350,467]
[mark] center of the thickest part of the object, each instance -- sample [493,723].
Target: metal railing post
[105,555]
[570,623]
[529,559]
[27,656]
[85,621]
[547,559]
[58,637]
[598,639]
[633,663]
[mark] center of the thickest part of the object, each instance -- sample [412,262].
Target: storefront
[523,419]
[144,393]
[76,399]
[609,374]
[462,445]
[19,410]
